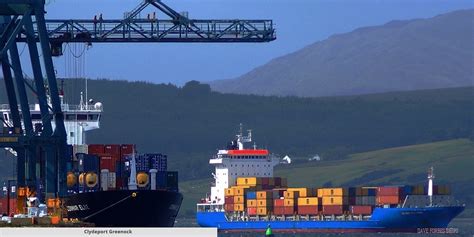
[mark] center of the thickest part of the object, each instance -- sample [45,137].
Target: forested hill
[190,123]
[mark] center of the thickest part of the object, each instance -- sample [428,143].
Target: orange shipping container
[326,192]
[239,207]
[308,201]
[239,199]
[264,194]
[252,203]
[264,202]
[263,211]
[303,192]
[291,194]
[249,181]
[240,190]
[335,200]
[229,192]
[387,200]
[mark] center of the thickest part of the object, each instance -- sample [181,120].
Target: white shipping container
[112,180]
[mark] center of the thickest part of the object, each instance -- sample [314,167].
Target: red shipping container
[126,149]
[388,200]
[361,210]
[112,149]
[252,211]
[229,207]
[3,205]
[13,207]
[388,191]
[119,183]
[229,200]
[279,202]
[96,149]
[283,210]
[333,209]
[308,210]
[108,162]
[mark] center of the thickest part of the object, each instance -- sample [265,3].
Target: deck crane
[23,21]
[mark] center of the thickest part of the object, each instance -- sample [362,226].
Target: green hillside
[453,161]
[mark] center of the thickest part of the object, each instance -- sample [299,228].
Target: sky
[298,23]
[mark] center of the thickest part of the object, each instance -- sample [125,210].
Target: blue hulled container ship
[245,196]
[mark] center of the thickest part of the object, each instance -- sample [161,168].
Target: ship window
[70,117]
[82,117]
[71,134]
[93,116]
[36,116]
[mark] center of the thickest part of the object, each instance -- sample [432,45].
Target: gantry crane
[24,21]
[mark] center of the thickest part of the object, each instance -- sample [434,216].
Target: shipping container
[263,211]
[289,202]
[335,200]
[279,202]
[229,192]
[161,179]
[239,199]
[112,181]
[88,162]
[327,192]
[291,194]
[365,200]
[308,201]
[249,181]
[265,180]
[126,149]
[389,191]
[251,195]
[284,210]
[308,210]
[13,206]
[418,190]
[113,149]
[267,194]
[241,190]
[361,210]
[3,206]
[264,202]
[388,200]
[251,203]
[252,211]
[333,209]
[284,183]
[229,200]
[302,192]
[239,207]
[229,207]
[108,162]
[96,149]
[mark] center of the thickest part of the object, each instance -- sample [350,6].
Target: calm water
[464,227]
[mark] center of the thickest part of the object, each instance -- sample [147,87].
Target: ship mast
[431,176]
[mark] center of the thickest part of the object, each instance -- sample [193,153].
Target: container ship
[108,184]
[245,196]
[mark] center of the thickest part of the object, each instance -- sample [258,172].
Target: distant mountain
[401,55]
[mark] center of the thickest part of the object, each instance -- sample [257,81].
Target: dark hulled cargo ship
[108,185]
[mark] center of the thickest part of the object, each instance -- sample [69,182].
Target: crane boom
[176,28]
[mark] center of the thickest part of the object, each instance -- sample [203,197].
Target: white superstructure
[237,161]
[78,119]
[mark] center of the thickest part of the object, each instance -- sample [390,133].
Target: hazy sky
[298,23]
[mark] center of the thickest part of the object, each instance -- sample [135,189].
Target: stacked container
[389,195]
[334,200]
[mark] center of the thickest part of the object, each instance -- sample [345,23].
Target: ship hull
[125,208]
[382,220]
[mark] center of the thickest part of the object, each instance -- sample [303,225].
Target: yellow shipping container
[289,202]
[308,201]
[229,192]
[328,192]
[263,211]
[264,202]
[291,194]
[239,207]
[303,192]
[251,203]
[264,194]
[335,200]
[249,181]
[239,199]
[240,190]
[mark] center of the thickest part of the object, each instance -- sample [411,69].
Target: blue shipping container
[161,178]
[251,195]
